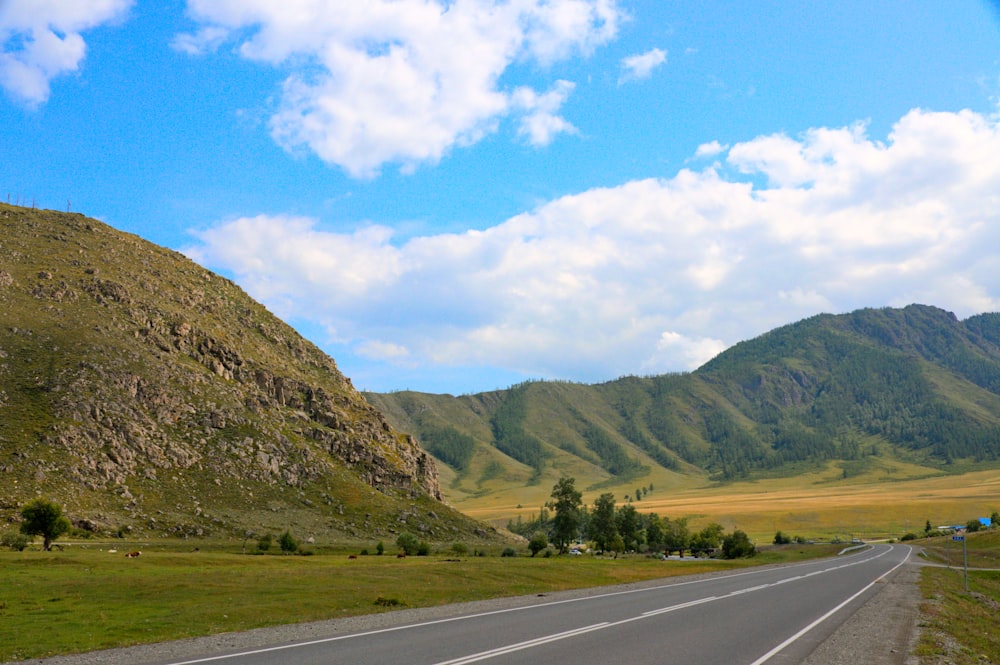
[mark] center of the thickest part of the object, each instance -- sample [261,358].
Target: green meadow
[86,598]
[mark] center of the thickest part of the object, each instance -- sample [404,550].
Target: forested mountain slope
[914,386]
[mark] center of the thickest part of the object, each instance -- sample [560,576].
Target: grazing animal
[132,555]
[352,556]
[401,555]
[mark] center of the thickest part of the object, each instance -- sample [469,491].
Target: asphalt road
[774,615]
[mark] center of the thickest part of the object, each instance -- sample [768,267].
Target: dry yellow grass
[810,506]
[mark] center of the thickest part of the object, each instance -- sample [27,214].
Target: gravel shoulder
[883,631]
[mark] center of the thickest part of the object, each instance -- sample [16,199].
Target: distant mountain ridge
[912,385]
[150,395]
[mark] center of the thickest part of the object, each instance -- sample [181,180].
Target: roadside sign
[958,539]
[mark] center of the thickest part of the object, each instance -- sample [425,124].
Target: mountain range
[151,396]
[911,390]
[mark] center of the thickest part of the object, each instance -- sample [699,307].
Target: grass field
[813,506]
[962,627]
[84,599]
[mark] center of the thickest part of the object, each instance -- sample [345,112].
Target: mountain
[910,391]
[149,395]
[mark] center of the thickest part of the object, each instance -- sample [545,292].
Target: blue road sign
[958,538]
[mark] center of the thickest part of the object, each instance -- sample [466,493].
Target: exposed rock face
[125,364]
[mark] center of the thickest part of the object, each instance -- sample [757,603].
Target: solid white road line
[770,654]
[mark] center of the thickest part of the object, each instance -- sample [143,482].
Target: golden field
[816,505]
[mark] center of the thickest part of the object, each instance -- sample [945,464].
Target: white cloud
[404,81]
[40,40]
[710,149]
[641,66]
[541,123]
[656,275]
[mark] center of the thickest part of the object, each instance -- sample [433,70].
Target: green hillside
[151,396]
[913,390]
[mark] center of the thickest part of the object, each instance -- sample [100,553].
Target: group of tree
[621,528]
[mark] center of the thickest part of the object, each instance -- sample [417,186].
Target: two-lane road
[774,615]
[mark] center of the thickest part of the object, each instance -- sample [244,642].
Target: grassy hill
[151,396]
[874,394]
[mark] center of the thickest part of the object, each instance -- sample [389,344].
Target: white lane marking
[510,648]
[664,610]
[326,640]
[485,655]
[770,654]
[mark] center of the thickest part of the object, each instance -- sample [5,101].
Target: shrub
[408,543]
[423,548]
[264,543]
[15,541]
[508,551]
[781,539]
[737,545]
[380,548]
[539,541]
[460,549]
[909,536]
[288,543]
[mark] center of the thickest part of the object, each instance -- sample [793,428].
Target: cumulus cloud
[41,39]
[641,66]
[710,149]
[661,274]
[404,81]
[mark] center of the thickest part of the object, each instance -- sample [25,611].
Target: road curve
[774,615]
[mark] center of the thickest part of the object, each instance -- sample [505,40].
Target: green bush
[539,541]
[264,543]
[288,543]
[423,548]
[380,548]
[508,551]
[909,536]
[15,541]
[460,548]
[737,545]
[408,543]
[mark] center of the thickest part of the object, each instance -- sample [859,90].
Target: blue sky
[456,196]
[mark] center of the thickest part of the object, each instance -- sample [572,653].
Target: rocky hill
[149,395]
[882,392]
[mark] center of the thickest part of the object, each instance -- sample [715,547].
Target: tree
[995,519]
[973,525]
[288,543]
[737,545]
[654,532]
[781,539]
[603,528]
[538,542]
[708,538]
[408,543]
[676,535]
[566,503]
[628,526]
[43,518]
[927,528]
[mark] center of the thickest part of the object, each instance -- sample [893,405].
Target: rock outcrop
[127,370]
